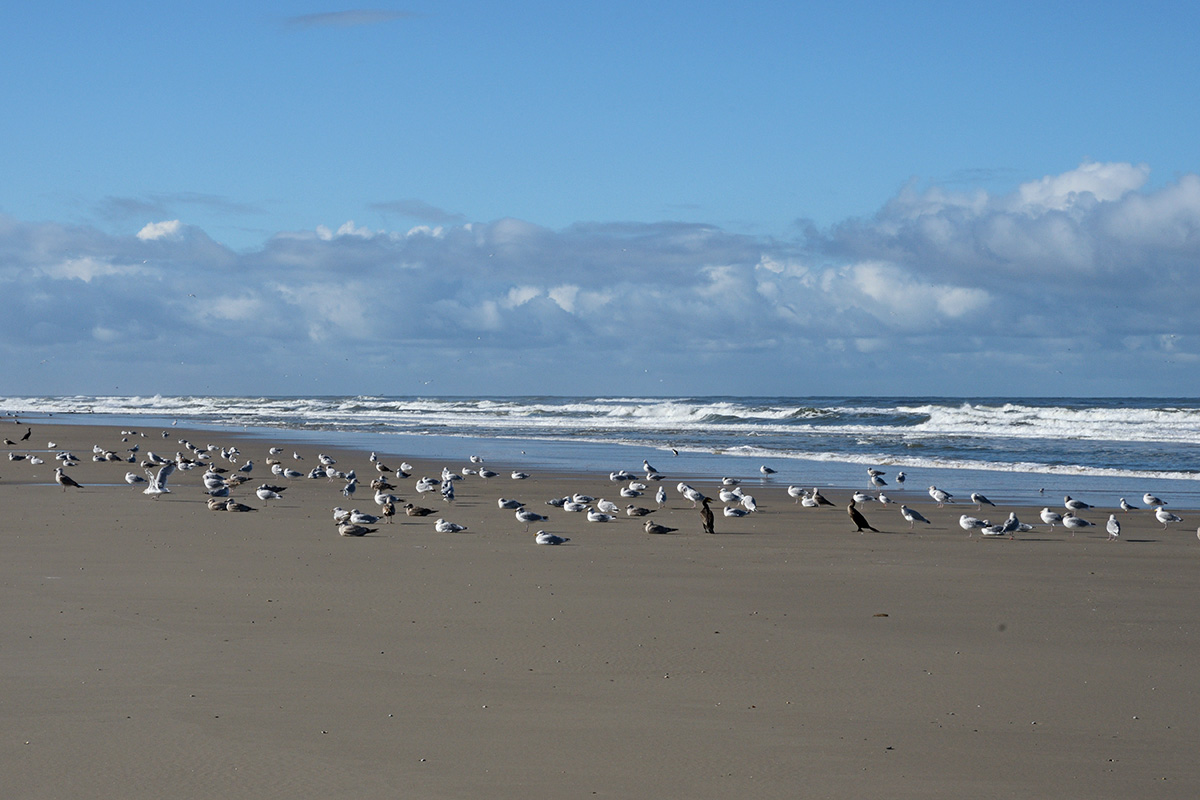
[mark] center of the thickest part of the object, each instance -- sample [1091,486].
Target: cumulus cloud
[957,287]
[168,229]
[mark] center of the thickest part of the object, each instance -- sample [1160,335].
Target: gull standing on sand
[1165,517]
[529,516]
[940,497]
[969,523]
[796,492]
[1073,523]
[1113,527]
[913,517]
[64,480]
[660,496]
[1051,518]
[980,501]
[1125,506]
[819,498]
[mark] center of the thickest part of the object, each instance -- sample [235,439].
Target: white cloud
[1091,260]
[153,231]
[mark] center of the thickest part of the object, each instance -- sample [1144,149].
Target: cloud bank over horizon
[1072,284]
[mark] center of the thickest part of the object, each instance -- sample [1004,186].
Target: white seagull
[1073,523]
[1151,500]
[969,523]
[541,537]
[442,526]
[1164,516]
[980,501]
[1051,518]
[1113,527]
[1074,505]
[913,517]
[940,497]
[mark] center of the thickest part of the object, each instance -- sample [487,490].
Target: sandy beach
[159,649]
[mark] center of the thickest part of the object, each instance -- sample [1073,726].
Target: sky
[514,198]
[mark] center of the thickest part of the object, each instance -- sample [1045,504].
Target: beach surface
[155,648]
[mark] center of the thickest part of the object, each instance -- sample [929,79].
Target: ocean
[1016,450]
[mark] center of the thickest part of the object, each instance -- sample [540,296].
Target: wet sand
[159,649]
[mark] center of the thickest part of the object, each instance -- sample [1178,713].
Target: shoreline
[584,457]
[157,647]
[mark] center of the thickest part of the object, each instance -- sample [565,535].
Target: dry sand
[158,649]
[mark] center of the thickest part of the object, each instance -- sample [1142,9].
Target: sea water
[1015,450]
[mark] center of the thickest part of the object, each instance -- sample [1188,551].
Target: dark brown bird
[858,519]
[417,511]
[26,436]
[706,515]
[350,529]
[389,511]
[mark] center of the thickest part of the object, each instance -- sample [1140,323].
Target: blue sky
[625,198]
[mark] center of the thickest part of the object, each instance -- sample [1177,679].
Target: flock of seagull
[225,469]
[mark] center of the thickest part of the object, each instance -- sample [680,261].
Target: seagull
[749,503]
[796,492]
[1074,505]
[878,482]
[646,466]
[654,527]
[727,496]
[694,495]
[541,537]
[528,517]
[969,523]
[361,518]
[913,517]
[133,479]
[863,497]
[1151,500]
[511,505]
[1073,522]
[158,483]
[660,496]
[487,473]
[64,480]
[1125,506]
[900,477]
[519,476]
[574,507]
[883,498]
[766,471]
[1164,516]
[1051,518]
[1113,527]
[389,511]
[558,502]
[233,505]
[442,526]
[940,497]
[637,511]
[607,506]
[414,511]
[980,501]
[858,519]
[808,501]
[599,516]
[350,529]
[820,500]
[734,511]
